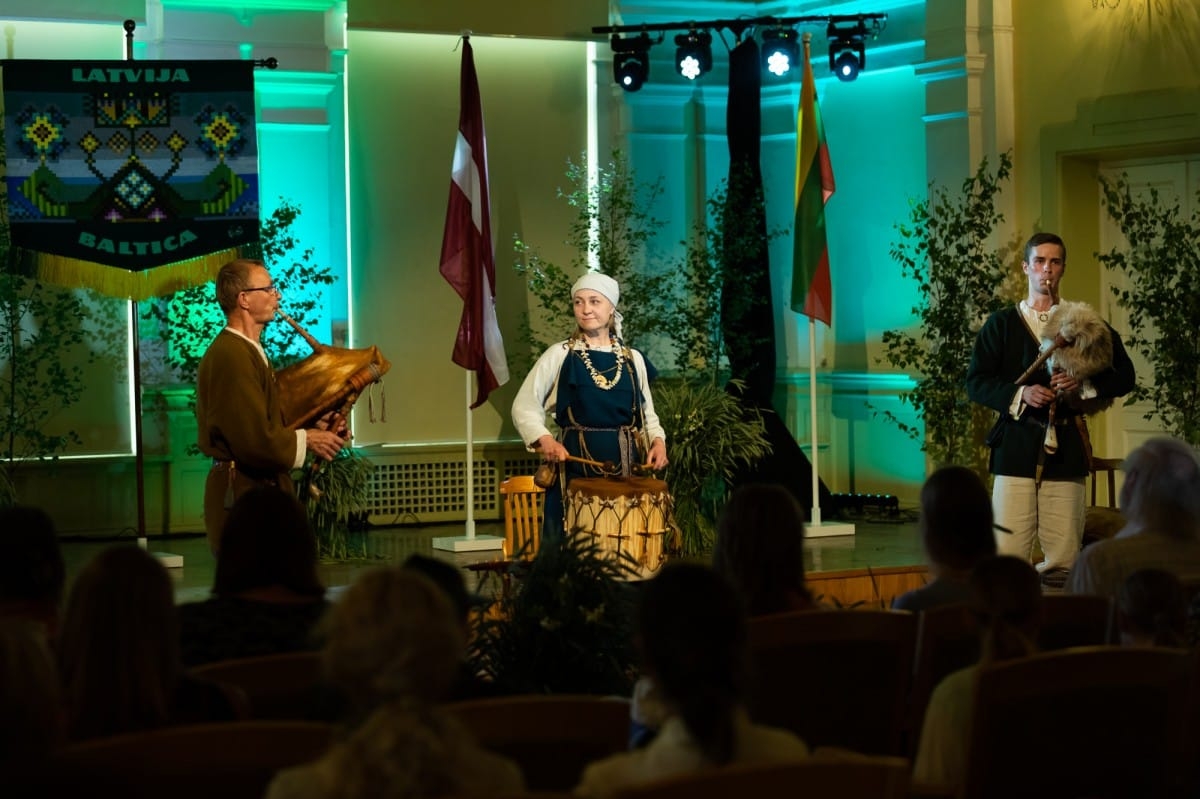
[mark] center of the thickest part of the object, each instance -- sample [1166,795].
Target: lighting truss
[847,35]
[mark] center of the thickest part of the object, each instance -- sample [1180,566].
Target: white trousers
[1051,515]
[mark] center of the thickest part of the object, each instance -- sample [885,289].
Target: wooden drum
[630,518]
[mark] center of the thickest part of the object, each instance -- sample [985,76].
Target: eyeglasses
[271,288]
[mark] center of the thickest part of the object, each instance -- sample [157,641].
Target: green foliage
[1162,263]
[340,498]
[944,246]
[188,320]
[711,435]
[563,625]
[614,228]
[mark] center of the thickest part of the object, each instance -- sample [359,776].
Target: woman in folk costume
[598,391]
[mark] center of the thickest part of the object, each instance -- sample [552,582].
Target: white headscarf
[605,286]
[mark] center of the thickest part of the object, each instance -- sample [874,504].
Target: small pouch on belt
[232,473]
[546,474]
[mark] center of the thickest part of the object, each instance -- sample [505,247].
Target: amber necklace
[602,382]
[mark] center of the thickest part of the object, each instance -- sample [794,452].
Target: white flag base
[169,560]
[826,529]
[467,543]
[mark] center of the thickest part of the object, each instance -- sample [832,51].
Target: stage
[883,558]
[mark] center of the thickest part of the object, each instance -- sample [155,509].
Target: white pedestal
[826,529]
[463,543]
[169,560]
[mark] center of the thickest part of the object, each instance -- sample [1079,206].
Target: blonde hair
[392,635]
[118,649]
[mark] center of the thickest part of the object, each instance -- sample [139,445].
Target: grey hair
[1162,487]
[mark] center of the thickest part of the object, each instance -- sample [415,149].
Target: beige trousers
[1051,515]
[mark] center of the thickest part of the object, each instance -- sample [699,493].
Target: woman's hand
[552,450]
[657,457]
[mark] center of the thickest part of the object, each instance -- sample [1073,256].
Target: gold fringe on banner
[112,281]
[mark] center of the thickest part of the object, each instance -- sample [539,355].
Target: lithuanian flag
[811,291]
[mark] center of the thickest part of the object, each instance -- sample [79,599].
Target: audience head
[448,578]
[1152,609]
[32,574]
[1006,603]
[1161,491]
[267,541]
[119,645]
[759,548]
[392,635]
[30,698]
[691,629]
[956,519]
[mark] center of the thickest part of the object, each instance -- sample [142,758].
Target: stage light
[847,49]
[780,50]
[693,53]
[631,61]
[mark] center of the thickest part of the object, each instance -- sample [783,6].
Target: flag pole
[470,465]
[169,560]
[468,264]
[810,263]
[812,412]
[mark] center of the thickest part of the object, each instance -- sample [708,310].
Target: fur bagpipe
[331,379]
[1077,341]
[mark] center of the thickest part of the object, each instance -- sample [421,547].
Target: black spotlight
[693,53]
[847,50]
[780,50]
[631,61]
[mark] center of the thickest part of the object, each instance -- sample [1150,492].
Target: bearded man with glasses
[238,414]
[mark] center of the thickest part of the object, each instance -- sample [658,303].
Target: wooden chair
[1101,522]
[522,516]
[946,642]
[551,737]
[1075,620]
[835,678]
[853,778]
[231,760]
[283,686]
[1099,721]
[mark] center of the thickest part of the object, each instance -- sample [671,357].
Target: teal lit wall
[877,142]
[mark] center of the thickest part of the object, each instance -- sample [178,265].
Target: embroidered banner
[130,164]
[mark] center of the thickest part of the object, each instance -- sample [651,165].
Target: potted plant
[945,247]
[1162,262]
[564,624]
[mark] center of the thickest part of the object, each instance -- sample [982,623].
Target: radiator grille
[430,486]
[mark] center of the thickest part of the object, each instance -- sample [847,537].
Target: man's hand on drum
[551,449]
[657,457]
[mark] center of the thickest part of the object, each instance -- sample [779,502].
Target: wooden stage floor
[881,559]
